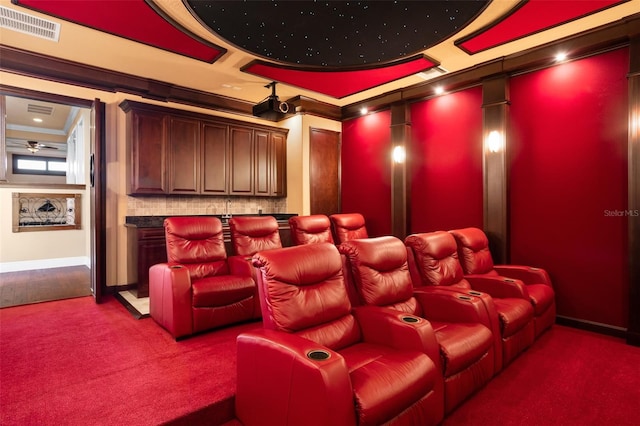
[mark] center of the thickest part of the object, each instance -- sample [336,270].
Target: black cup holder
[464,298]
[509,280]
[410,320]
[176,266]
[318,355]
[475,293]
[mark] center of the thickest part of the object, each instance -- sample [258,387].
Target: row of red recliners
[202,288]
[396,329]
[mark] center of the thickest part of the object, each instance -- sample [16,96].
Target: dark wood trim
[305,105]
[98,203]
[591,326]
[495,107]
[36,65]
[127,105]
[633,333]
[400,185]
[68,186]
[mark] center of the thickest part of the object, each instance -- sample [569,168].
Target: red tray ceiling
[528,18]
[134,19]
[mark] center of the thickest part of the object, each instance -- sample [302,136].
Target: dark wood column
[633,217]
[400,185]
[495,106]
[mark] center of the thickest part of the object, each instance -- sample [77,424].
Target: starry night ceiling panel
[340,83]
[337,48]
[530,17]
[335,34]
[135,20]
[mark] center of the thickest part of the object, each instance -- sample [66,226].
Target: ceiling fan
[34,146]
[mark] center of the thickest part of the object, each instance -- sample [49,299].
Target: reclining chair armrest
[241,265]
[388,327]
[450,306]
[279,382]
[499,287]
[170,301]
[526,274]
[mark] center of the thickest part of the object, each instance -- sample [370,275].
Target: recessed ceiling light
[561,56]
[439,90]
[364,110]
[37,120]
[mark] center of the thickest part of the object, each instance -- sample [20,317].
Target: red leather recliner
[251,234]
[348,226]
[317,362]
[476,260]
[380,274]
[199,288]
[436,263]
[310,229]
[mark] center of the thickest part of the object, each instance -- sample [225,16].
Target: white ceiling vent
[40,109]
[29,24]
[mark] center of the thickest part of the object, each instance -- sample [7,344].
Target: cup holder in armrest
[410,319]
[475,293]
[176,266]
[318,355]
[509,280]
[464,297]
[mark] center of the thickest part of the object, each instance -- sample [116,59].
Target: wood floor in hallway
[25,287]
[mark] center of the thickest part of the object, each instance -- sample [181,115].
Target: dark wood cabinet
[184,156]
[241,154]
[178,152]
[214,153]
[278,165]
[147,247]
[147,174]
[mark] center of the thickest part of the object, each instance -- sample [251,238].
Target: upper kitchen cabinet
[183,146]
[178,152]
[148,155]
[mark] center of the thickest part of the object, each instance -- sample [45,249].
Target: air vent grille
[40,109]
[29,24]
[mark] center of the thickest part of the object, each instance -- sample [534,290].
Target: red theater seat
[317,362]
[199,288]
[310,229]
[476,260]
[435,259]
[251,234]
[380,274]
[348,226]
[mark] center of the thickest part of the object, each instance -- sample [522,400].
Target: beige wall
[119,205]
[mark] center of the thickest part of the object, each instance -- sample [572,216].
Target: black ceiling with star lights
[335,34]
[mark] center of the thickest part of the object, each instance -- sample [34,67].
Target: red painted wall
[568,166]
[446,162]
[366,170]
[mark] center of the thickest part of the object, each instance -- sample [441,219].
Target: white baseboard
[29,265]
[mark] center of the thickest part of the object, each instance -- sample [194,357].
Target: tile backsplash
[194,205]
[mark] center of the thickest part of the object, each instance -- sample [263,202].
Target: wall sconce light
[399,154]
[495,141]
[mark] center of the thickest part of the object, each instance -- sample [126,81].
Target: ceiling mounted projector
[271,108]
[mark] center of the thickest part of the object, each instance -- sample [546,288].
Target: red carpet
[74,362]
[569,377]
